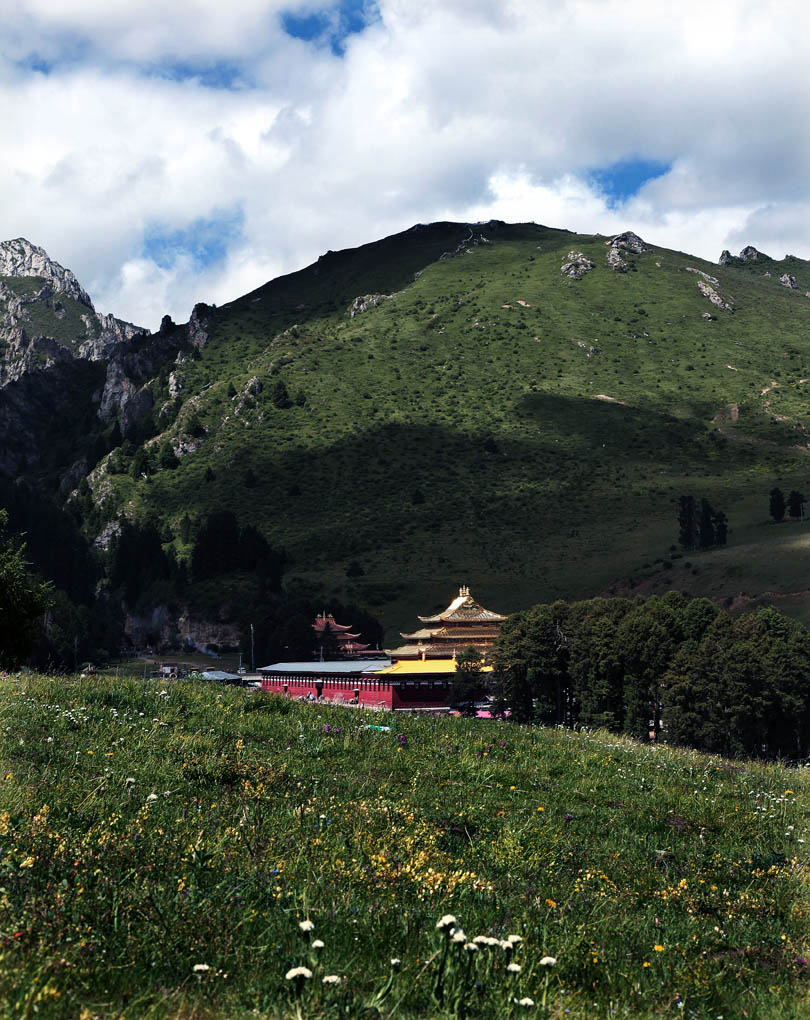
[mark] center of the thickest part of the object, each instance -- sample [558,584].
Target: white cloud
[455,109]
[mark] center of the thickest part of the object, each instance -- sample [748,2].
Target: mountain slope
[457,408]
[509,406]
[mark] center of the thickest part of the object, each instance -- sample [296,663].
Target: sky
[175,151]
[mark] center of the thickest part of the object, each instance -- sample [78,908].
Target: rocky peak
[726,258]
[21,258]
[629,241]
[750,254]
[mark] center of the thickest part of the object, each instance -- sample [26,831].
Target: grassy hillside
[160,847]
[492,421]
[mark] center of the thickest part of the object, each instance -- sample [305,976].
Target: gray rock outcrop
[365,301]
[788,281]
[615,261]
[199,325]
[716,299]
[577,265]
[629,241]
[726,258]
[750,254]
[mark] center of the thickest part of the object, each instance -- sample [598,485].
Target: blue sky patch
[332,24]
[621,181]
[204,241]
[216,75]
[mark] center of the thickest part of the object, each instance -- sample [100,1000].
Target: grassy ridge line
[148,829]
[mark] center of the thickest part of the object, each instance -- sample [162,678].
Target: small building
[463,624]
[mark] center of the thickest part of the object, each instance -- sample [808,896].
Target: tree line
[672,666]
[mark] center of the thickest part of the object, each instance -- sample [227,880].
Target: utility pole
[252,663]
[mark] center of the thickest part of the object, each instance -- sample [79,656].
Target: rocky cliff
[46,316]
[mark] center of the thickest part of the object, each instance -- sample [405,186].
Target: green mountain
[508,406]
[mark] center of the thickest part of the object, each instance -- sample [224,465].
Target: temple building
[464,623]
[335,638]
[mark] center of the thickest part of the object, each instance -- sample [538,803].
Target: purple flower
[327,728]
[568,816]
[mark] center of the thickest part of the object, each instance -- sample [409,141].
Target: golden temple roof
[464,609]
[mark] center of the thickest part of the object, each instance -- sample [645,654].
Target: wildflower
[129,781]
[506,946]
[457,935]
[306,925]
[541,809]
[525,1001]
[485,940]
[471,947]
[27,863]
[646,963]
[514,939]
[548,961]
[298,972]
[330,979]
[514,968]
[151,797]
[317,944]
[200,968]
[395,962]
[552,903]
[658,949]
[448,921]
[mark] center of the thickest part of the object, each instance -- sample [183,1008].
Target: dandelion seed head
[298,972]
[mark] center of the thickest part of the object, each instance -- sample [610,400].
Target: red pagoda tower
[344,643]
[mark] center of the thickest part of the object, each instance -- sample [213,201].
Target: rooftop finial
[464,591]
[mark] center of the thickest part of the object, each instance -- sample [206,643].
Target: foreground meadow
[188,851]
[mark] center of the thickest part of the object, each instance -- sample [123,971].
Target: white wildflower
[525,1001]
[395,961]
[317,944]
[306,925]
[330,979]
[298,972]
[201,968]
[457,935]
[548,961]
[506,946]
[448,921]
[514,968]
[471,947]
[151,797]
[514,939]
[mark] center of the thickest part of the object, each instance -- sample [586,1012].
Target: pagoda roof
[325,619]
[464,609]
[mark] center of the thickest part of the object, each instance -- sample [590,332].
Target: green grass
[147,829]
